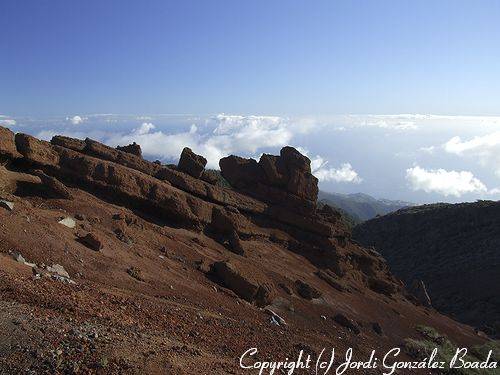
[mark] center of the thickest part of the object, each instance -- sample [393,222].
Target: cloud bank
[343,174]
[455,183]
[485,148]
[241,135]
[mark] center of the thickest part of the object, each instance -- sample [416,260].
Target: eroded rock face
[191,163]
[7,145]
[67,142]
[288,173]
[132,148]
[241,172]
[53,185]
[36,151]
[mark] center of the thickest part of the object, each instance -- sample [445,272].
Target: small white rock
[6,204]
[59,270]
[68,222]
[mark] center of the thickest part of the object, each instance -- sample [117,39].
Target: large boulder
[36,151]
[191,163]
[306,291]
[7,145]
[245,284]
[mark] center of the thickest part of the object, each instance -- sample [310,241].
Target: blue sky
[249,57]
[398,99]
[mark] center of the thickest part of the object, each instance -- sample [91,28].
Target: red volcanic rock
[345,322]
[240,172]
[136,187]
[189,279]
[101,151]
[191,163]
[289,173]
[92,241]
[71,143]
[329,213]
[54,185]
[7,145]
[294,160]
[211,177]
[132,148]
[235,244]
[303,184]
[274,170]
[36,151]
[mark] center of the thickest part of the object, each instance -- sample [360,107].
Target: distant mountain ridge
[452,248]
[360,206]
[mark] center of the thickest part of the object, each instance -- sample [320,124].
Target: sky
[398,99]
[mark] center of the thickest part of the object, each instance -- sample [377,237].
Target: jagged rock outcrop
[36,151]
[132,148]
[191,163]
[7,145]
[452,248]
[284,180]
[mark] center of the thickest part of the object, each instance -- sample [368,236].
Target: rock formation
[132,148]
[191,163]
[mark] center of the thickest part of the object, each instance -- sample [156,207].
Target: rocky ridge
[177,248]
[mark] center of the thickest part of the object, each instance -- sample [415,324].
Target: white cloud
[7,122]
[485,149]
[231,135]
[455,183]
[343,174]
[75,120]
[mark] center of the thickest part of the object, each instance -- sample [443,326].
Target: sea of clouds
[420,158]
